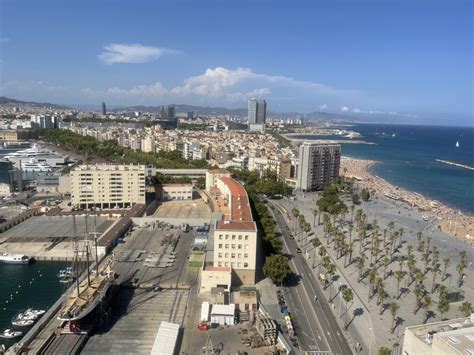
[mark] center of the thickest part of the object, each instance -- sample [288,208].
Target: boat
[36,312]
[34,165]
[91,290]
[66,275]
[457,144]
[8,258]
[9,334]
[22,322]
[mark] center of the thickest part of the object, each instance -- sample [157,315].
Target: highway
[317,329]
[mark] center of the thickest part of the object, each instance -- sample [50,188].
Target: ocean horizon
[407,156]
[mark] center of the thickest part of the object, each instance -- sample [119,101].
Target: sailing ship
[457,144]
[89,291]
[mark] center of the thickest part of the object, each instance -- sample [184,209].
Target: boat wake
[455,164]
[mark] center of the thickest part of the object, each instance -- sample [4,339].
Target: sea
[25,286]
[406,156]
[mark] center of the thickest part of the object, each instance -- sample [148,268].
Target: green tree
[466,309]
[443,306]
[393,307]
[347,296]
[426,304]
[277,268]
[384,351]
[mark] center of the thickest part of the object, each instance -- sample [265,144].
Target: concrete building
[252,111]
[257,115]
[107,186]
[447,337]
[318,165]
[104,109]
[167,192]
[235,235]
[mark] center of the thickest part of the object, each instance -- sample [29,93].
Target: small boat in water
[8,258]
[457,144]
[22,322]
[66,275]
[9,334]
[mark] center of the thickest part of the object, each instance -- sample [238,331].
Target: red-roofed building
[235,235]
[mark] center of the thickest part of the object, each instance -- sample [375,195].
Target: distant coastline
[448,162]
[294,137]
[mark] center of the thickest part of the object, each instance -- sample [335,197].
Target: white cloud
[323,107]
[218,86]
[4,39]
[356,110]
[344,109]
[132,53]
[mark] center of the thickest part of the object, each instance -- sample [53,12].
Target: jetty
[455,164]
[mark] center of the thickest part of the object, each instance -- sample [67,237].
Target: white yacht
[8,334]
[34,165]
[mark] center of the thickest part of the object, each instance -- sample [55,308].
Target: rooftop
[457,333]
[109,167]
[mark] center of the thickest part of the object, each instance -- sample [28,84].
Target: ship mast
[95,242]
[76,251]
[87,255]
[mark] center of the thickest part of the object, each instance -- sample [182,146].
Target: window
[226,255]
[233,246]
[220,246]
[246,264]
[246,247]
[220,236]
[239,246]
[233,256]
[226,263]
[227,246]
[240,237]
[219,264]
[233,237]
[246,256]
[220,255]
[232,264]
[238,264]
[246,237]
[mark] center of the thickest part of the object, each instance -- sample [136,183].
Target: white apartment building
[107,186]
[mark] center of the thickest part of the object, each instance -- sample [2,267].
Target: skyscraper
[257,114]
[167,111]
[252,111]
[318,165]
[261,112]
[104,108]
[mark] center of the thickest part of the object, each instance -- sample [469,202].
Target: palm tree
[347,296]
[330,270]
[394,307]
[327,227]
[295,212]
[322,253]
[372,278]
[360,261]
[419,295]
[399,276]
[316,243]
[419,236]
[466,309]
[426,304]
[446,263]
[315,212]
[443,306]
[381,296]
[460,269]
[434,272]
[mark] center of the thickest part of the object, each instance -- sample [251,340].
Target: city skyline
[364,58]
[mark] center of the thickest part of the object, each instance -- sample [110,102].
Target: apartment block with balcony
[107,186]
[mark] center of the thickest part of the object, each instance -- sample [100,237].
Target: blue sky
[403,56]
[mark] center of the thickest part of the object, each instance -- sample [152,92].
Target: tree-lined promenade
[110,150]
[390,269]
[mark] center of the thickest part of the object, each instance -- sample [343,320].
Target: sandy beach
[447,219]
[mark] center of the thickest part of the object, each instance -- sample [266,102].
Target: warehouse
[223,314]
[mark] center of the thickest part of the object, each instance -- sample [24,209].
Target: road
[319,330]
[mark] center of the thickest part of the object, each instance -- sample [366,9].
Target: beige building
[107,186]
[167,192]
[447,337]
[7,135]
[235,235]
